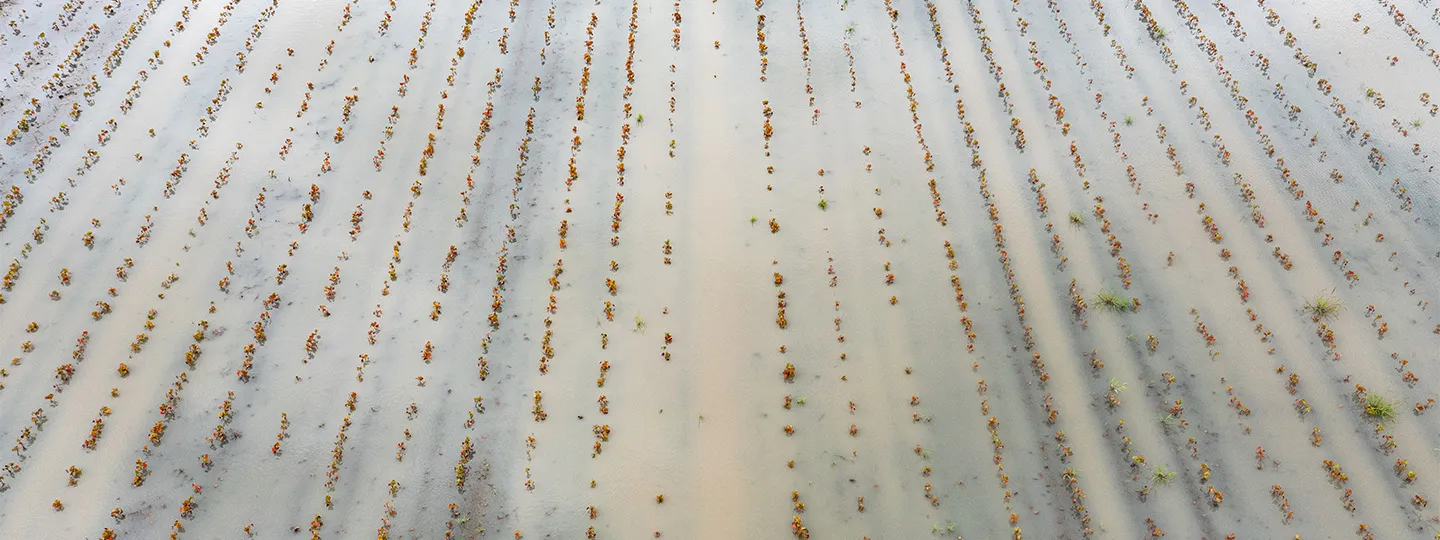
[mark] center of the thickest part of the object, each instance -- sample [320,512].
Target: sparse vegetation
[1006,238]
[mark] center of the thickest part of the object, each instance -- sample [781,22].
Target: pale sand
[705,428]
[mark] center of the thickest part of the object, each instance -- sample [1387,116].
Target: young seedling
[1162,475]
[1077,218]
[1129,120]
[1112,393]
[823,204]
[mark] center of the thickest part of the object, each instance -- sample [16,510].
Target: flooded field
[454,269]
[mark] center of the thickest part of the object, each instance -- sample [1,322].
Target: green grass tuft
[823,204]
[1077,218]
[1110,301]
[1162,475]
[1324,307]
[1379,408]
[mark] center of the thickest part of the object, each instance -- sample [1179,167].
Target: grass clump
[1168,421]
[1379,408]
[1111,301]
[1077,218]
[1129,120]
[1323,307]
[823,204]
[1162,475]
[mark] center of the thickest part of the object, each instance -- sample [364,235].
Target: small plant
[639,323]
[640,118]
[1112,393]
[849,29]
[753,219]
[1160,33]
[1162,475]
[1416,123]
[1077,218]
[1110,301]
[1117,386]
[1129,120]
[823,204]
[1379,408]
[1323,307]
